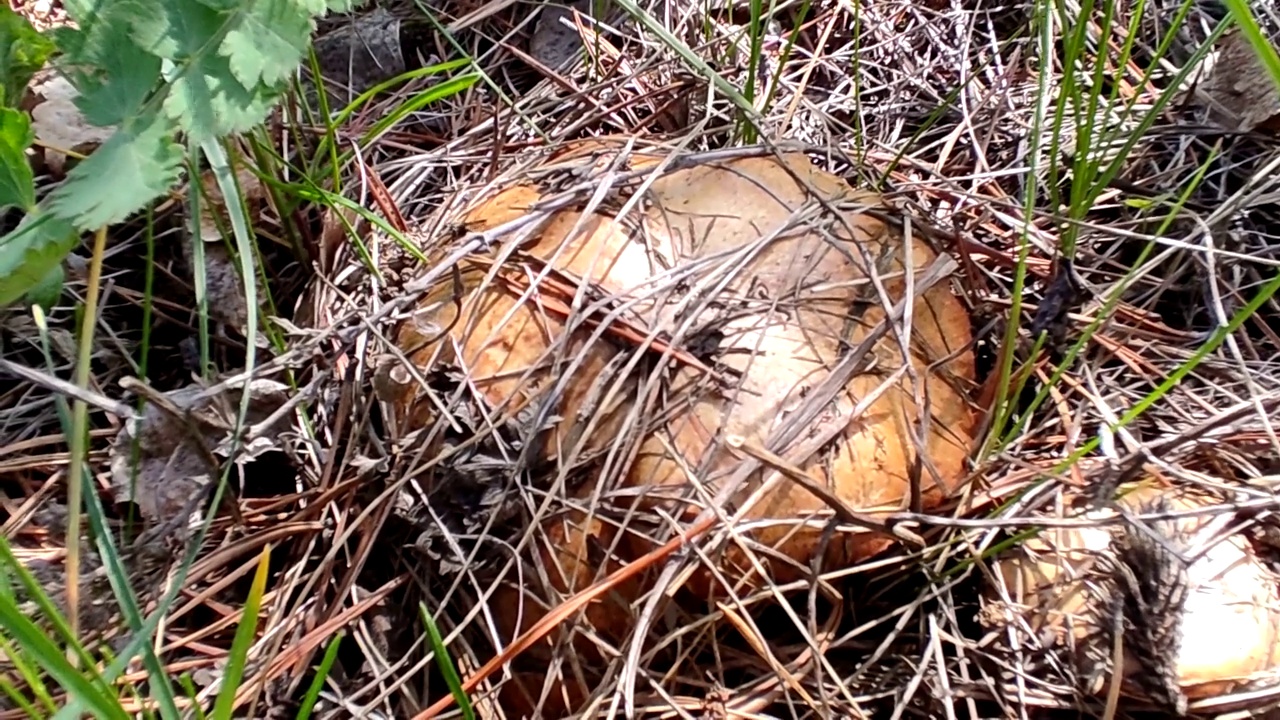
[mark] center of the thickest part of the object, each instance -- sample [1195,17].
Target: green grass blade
[1215,340]
[245,634]
[451,677]
[25,669]
[322,672]
[1109,305]
[1001,407]
[46,606]
[329,142]
[433,94]
[117,574]
[16,698]
[189,686]
[79,682]
[216,156]
[199,267]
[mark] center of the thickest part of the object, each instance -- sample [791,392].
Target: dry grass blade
[841,508]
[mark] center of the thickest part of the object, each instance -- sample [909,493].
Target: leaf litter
[174,450]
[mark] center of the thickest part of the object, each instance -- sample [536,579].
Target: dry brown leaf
[1240,93]
[175,462]
[58,124]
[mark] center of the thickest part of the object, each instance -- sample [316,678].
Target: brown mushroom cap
[790,294]
[769,253]
[803,298]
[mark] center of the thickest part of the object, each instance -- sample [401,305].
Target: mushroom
[1196,604]
[707,312]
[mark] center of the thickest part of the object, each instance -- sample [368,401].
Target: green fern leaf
[138,164]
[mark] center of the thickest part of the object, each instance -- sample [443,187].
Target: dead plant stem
[79,420]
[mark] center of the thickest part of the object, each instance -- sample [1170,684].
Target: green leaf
[313,7]
[139,163]
[239,653]
[212,103]
[112,74]
[17,187]
[23,51]
[124,76]
[221,5]
[267,41]
[205,96]
[31,252]
[176,30]
[86,12]
[47,291]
